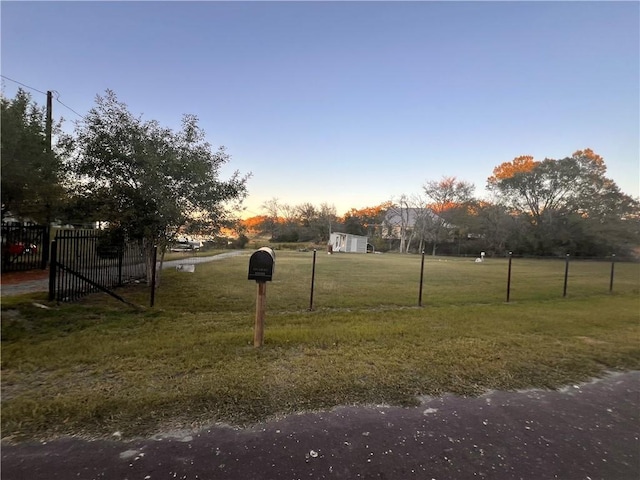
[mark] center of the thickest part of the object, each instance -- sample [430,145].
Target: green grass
[363,281]
[192,253]
[98,366]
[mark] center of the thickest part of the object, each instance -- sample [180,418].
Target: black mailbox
[261,265]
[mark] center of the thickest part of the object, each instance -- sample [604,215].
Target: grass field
[97,367]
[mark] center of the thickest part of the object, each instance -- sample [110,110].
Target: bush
[240,242]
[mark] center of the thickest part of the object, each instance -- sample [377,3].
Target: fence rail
[86,261]
[24,247]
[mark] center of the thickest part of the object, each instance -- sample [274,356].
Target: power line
[44,93]
[58,100]
[24,85]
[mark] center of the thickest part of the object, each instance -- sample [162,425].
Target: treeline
[153,183]
[309,223]
[548,207]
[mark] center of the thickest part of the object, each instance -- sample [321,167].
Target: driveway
[42,284]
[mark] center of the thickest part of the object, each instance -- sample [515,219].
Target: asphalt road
[587,431]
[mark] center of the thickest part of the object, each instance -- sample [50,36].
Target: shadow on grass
[33,318]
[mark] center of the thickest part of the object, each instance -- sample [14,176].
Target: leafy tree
[254,224]
[522,164]
[448,198]
[366,221]
[568,204]
[353,224]
[148,180]
[497,228]
[31,173]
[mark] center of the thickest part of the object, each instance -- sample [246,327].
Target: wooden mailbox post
[261,266]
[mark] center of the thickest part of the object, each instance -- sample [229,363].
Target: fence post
[261,304]
[421,277]
[509,278]
[45,251]
[52,270]
[153,275]
[121,248]
[613,262]
[313,276]
[566,276]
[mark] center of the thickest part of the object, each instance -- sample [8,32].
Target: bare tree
[445,196]
[306,213]
[398,219]
[325,220]
[423,218]
[289,214]
[272,208]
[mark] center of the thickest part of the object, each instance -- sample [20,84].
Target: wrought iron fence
[24,247]
[86,261]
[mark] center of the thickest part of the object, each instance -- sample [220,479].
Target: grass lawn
[190,253]
[97,367]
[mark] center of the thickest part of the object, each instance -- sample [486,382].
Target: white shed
[345,242]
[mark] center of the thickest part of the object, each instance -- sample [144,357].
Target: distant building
[345,242]
[398,219]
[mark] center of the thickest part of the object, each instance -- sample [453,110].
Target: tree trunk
[408,246]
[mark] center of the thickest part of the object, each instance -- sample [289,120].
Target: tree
[271,223]
[366,221]
[254,224]
[325,221]
[448,198]
[31,173]
[567,203]
[151,181]
[522,164]
[424,224]
[399,220]
[497,227]
[306,212]
[289,223]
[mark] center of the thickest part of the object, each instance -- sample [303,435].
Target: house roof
[349,235]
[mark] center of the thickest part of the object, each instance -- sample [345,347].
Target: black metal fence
[86,261]
[24,247]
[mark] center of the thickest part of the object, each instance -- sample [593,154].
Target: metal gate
[24,247]
[86,261]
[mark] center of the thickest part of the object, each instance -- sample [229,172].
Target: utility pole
[49,125]
[49,128]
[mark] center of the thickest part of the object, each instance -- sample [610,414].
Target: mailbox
[261,265]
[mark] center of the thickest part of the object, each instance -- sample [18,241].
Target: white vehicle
[186,246]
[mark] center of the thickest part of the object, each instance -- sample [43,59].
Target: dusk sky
[350,103]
